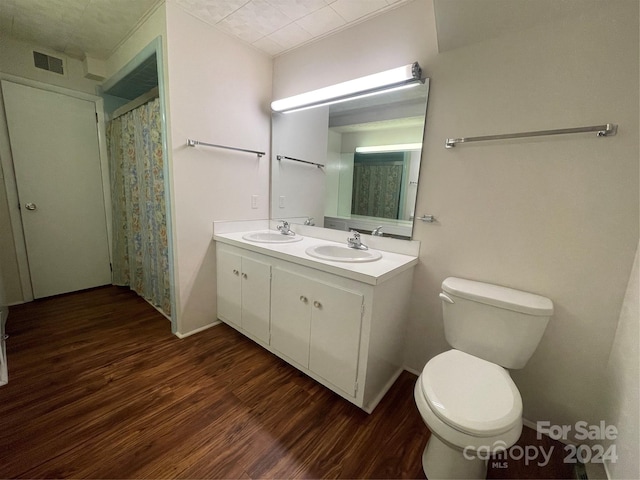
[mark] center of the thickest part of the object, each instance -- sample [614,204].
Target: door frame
[6,161]
[156,47]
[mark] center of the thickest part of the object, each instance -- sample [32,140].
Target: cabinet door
[256,298]
[336,317]
[229,288]
[291,315]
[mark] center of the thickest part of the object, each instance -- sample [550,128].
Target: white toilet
[465,395]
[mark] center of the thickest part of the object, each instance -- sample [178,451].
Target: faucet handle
[354,242]
[284,228]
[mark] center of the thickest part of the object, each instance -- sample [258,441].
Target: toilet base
[440,461]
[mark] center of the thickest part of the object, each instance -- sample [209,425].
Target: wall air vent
[49,63]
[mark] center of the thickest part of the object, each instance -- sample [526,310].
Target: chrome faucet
[377,231]
[284,228]
[309,221]
[354,242]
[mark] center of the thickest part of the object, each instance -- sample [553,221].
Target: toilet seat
[471,395]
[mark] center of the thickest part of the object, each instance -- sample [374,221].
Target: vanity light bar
[389,148]
[396,78]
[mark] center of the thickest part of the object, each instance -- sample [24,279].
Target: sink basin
[270,236]
[339,253]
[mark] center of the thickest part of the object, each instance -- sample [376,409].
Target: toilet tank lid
[498,296]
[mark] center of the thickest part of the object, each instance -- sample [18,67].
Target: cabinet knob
[244,275]
[236,272]
[317,304]
[303,299]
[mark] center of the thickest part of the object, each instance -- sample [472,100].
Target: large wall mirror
[351,165]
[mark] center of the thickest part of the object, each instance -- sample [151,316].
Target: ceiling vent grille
[49,63]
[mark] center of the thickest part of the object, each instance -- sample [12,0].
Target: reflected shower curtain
[140,248]
[376,189]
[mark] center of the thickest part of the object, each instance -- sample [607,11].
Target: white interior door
[54,143]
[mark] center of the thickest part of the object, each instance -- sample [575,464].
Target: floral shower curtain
[140,248]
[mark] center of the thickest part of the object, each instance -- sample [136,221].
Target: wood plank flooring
[100,388]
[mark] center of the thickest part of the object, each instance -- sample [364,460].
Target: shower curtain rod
[603,131]
[193,143]
[136,102]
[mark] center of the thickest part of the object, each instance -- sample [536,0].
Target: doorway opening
[142,247]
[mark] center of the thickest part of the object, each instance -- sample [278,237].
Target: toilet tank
[498,324]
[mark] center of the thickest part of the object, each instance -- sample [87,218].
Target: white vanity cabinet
[342,326]
[318,326]
[244,292]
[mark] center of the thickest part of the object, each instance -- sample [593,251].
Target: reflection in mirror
[351,165]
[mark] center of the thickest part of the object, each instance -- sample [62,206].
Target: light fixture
[394,79]
[402,147]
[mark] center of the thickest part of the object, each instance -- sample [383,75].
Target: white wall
[219,92]
[399,37]
[16,58]
[557,216]
[412,184]
[333,171]
[301,185]
[154,26]
[345,185]
[621,393]
[367,138]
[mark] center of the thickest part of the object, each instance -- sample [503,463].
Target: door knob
[30,206]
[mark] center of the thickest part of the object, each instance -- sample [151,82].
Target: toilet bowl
[472,408]
[466,396]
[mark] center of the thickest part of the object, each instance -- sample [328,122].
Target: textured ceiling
[97,27]
[73,27]
[275,26]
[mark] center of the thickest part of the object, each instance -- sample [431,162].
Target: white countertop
[372,273]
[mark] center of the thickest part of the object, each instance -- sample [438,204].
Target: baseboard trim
[605,466]
[530,424]
[374,403]
[197,330]
[411,370]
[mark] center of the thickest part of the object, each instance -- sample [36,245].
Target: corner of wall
[621,393]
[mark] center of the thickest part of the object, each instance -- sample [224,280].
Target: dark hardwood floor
[100,388]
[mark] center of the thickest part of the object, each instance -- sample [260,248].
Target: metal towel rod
[280,157]
[193,143]
[602,131]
